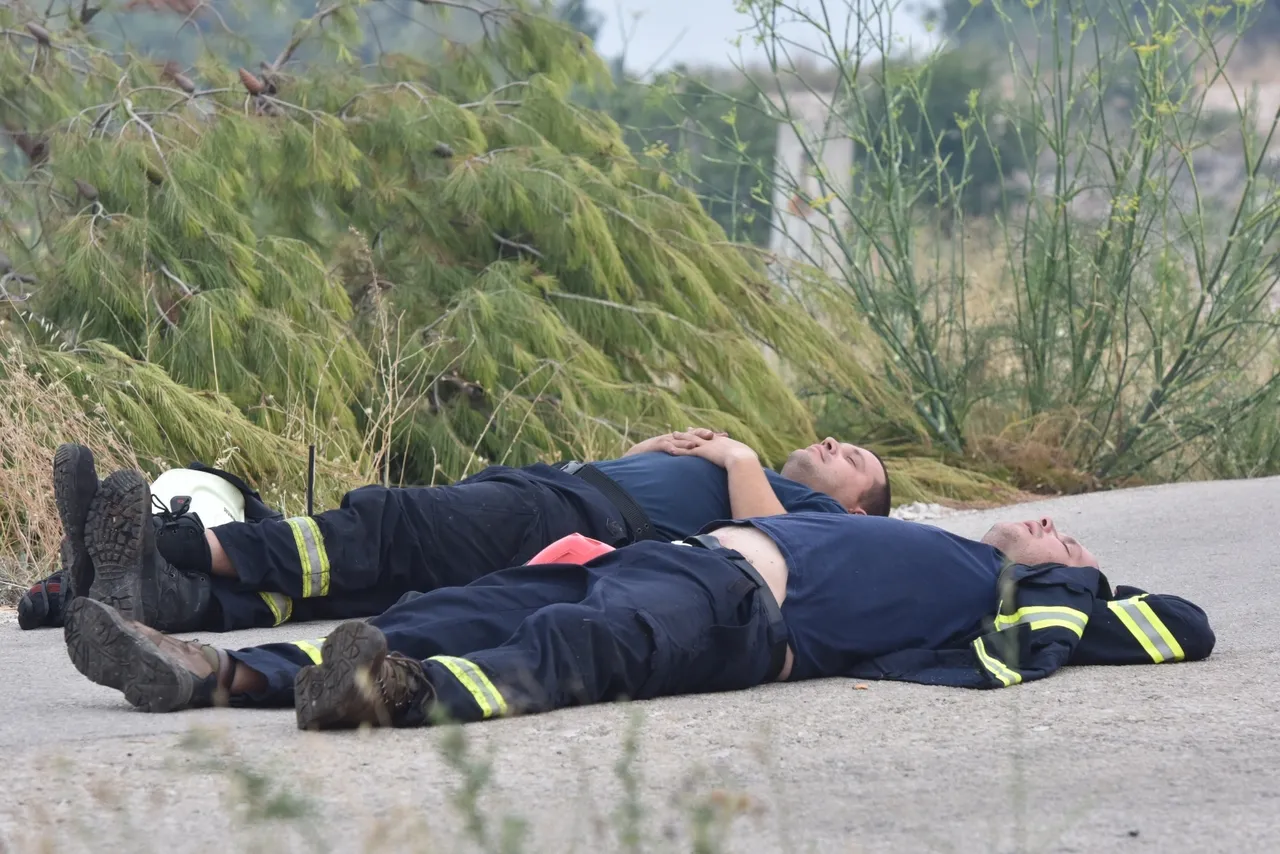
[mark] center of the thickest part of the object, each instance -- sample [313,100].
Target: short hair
[877,500]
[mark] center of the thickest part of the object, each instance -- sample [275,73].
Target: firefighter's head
[854,476]
[1038,541]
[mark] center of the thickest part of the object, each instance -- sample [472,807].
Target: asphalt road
[1170,758]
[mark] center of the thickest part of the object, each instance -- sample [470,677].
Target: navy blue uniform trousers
[359,559]
[648,620]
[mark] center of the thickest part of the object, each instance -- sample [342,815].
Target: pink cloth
[574,548]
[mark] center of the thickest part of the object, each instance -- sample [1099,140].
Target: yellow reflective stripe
[281,606]
[324,555]
[304,557]
[487,697]
[1045,616]
[311,555]
[995,666]
[1148,629]
[1170,641]
[311,649]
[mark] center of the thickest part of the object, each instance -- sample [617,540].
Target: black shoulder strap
[633,514]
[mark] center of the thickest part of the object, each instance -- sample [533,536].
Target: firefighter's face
[848,473]
[1038,541]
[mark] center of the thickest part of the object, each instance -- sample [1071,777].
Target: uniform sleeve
[814,502]
[1035,647]
[1033,635]
[1136,627]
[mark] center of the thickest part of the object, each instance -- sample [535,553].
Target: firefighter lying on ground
[359,559]
[787,597]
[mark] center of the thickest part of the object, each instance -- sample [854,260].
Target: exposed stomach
[756,546]
[764,554]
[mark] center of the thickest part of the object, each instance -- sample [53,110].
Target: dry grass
[1035,454]
[37,413]
[928,479]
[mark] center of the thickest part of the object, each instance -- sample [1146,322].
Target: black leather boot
[132,575]
[75,483]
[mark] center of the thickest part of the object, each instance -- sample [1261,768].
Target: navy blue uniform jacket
[877,598]
[1047,617]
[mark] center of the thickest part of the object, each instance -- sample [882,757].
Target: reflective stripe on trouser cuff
[995,666]
[1150,631]
[487,697]
[311,555]
[311,648]
[281,606]
[1044,617]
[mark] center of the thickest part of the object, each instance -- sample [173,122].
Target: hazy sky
[701,32]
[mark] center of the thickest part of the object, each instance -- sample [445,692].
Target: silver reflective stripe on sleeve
[1148,629]
[1044,617]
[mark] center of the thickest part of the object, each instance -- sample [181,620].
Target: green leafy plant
[1110,289]
[278,238]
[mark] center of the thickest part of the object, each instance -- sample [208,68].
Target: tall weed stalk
[1073,221]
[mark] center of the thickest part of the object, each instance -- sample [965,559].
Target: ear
[858,511]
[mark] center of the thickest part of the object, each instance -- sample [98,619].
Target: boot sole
[340,692]
[109,651]
[113,535]
[75,483]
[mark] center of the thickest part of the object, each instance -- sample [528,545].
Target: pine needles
[421,268]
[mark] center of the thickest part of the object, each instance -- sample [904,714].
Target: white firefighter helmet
[213,499]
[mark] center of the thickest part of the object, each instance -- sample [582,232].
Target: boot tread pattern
[113,536]
[341,690]
[75,482]
[109,651]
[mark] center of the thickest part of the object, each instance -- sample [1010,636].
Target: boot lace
[170,514]
[169,517]
[398,681]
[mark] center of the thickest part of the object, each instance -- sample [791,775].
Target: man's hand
[718,449]
[671,443]
[750,493]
